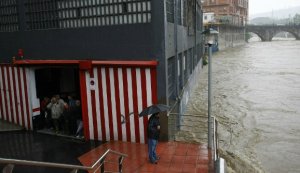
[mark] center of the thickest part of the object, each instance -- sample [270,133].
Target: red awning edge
[46,62]
[127,63]
[151,63]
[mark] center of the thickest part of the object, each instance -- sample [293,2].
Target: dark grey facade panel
[158,27]
[131,42]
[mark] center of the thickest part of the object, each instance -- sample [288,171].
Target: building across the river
[233,12]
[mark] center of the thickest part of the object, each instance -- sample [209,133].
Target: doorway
[51,81]
[63,84]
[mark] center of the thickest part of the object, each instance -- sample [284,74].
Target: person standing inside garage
[56,106]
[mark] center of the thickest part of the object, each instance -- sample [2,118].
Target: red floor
[174,157]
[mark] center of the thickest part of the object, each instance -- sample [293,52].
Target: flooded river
[256,98]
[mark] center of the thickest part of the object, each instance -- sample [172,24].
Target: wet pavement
[175,157]
[33,146]
[183,157]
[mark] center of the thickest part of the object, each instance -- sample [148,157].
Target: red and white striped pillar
[110,91]
[15,103]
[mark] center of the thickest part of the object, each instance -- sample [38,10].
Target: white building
[208,18]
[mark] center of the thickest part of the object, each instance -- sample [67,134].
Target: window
[184,13]
[171,78]
[44,14]
[186,66]
[170,10]
[179,12]
[9,20]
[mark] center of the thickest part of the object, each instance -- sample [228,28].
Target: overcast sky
[261,6]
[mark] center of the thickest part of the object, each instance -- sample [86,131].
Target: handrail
[104,155]
[65,166]
[198,115]
[215,131]
[43,164]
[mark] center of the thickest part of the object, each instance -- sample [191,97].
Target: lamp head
[210,35]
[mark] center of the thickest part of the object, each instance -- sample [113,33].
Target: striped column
[115,96]
[14,97]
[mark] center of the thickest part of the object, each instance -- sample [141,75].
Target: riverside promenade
[175,157]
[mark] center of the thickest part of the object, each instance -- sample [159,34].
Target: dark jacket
[153,131]
[76,112]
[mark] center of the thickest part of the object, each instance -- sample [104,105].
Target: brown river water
[256,99]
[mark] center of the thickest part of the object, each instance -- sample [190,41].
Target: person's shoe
[157,158]
[153,162]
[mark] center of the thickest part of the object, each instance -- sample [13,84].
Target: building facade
[117,56]
[233,12]
[208,18]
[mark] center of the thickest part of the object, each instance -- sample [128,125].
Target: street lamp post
[209,96]
[210,41]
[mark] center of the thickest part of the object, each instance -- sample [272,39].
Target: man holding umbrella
[153,136]
[153,128]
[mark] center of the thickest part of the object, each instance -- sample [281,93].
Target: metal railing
[215,138]
[99,164]
[200,118]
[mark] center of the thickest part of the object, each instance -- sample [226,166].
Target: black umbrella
[154,109]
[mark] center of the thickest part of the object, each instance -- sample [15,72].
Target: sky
[261,6]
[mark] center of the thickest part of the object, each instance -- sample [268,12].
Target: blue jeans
[152,143]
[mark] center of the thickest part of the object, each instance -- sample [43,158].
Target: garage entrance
[51,81]
[61,83]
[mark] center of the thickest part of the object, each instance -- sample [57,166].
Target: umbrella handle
[125,119]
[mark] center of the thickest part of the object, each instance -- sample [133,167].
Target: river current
[256,98]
